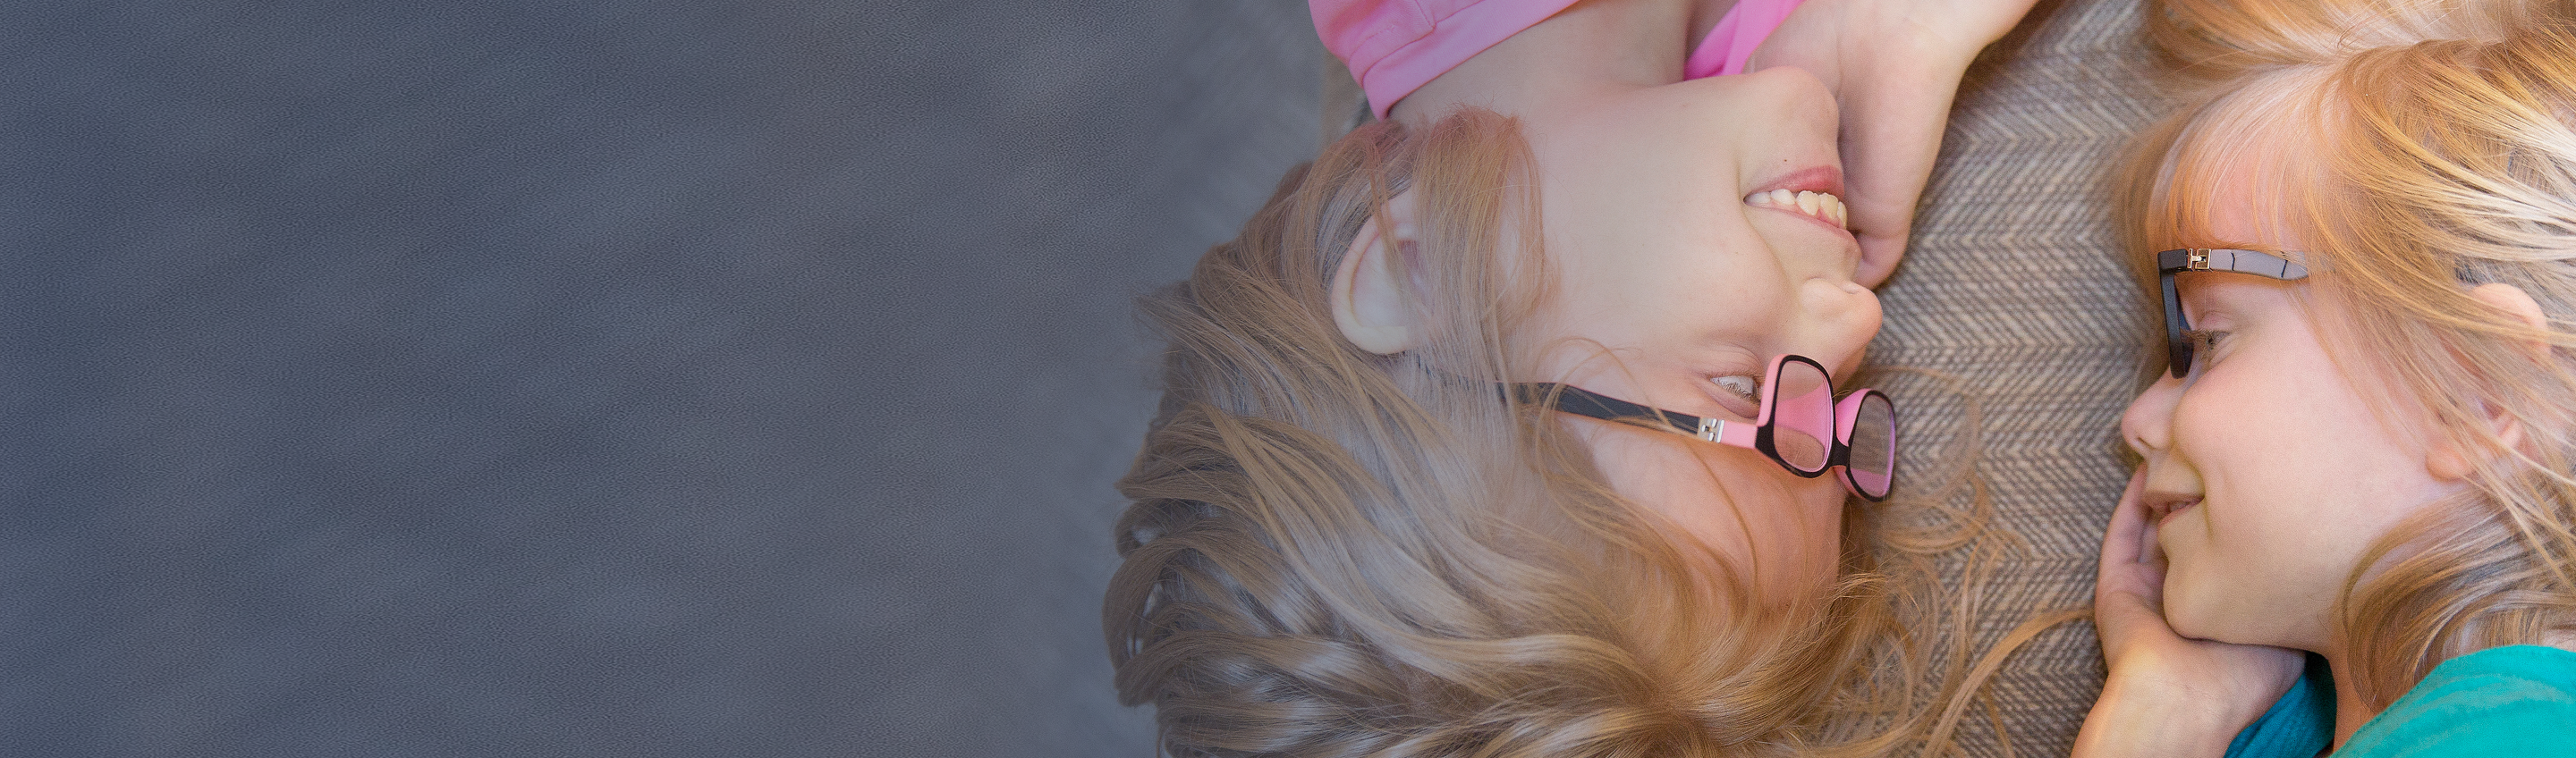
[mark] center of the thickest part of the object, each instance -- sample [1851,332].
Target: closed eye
[1739,393]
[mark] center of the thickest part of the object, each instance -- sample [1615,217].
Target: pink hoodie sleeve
[1730,44]
[1393,47]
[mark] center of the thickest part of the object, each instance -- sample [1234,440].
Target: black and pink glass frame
[1801,425]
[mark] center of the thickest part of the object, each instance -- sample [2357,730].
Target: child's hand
[1893,66]
[2167,694]
[1951,28]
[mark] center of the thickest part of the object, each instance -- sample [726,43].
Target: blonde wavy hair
[1330,552]
[2418,149]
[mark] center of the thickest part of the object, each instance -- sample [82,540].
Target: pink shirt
[1395,46]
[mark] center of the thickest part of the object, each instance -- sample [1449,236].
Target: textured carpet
[2014,298]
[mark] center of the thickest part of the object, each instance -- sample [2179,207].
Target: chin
[2191,618]
[2186,625]
[2215,625]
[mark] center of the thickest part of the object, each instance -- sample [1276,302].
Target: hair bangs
[2232,172]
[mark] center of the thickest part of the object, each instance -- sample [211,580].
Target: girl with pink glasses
[1507,427]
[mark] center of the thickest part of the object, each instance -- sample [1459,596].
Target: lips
[2160,508]
[1824,179]
[1814,192]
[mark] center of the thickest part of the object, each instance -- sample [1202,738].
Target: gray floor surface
[594,378]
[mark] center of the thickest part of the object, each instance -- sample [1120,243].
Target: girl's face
[1679,272]
[2267,471]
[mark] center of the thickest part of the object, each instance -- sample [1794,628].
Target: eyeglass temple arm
[2254,262]
[1583,402]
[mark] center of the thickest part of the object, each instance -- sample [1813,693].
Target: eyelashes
[1740,393]
[2204,346]
[1742,385]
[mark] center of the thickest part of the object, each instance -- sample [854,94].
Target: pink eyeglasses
[1801,425]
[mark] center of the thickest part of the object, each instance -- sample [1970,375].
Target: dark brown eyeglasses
[2170,262]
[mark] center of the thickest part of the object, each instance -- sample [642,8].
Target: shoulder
[2515,700]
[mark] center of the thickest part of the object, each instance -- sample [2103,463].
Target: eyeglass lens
[2177,347]
[1871,465]
[1802,416]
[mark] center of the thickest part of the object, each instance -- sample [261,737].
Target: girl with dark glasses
[2353,523]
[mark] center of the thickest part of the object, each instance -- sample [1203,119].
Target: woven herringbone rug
[2015,291]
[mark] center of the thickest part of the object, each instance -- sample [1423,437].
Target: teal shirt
[2299,725]
[2512,701]
[2518,700]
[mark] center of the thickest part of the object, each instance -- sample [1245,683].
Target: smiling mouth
[2159,509]
[1822,206]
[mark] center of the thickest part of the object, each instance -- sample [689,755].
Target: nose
[2148,424]
[1842,318]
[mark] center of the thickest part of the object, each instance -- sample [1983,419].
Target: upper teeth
[1817,204]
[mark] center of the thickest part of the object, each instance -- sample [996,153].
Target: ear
[2446,460]
[1370,303]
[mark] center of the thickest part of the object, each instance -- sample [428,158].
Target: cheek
[1787,529]
[1784,531]
[2317,462]
[2225,554]
[2296,490]
[2255,445]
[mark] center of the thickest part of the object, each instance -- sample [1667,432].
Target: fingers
[2129,581]
[1878,258]
[2123,542]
